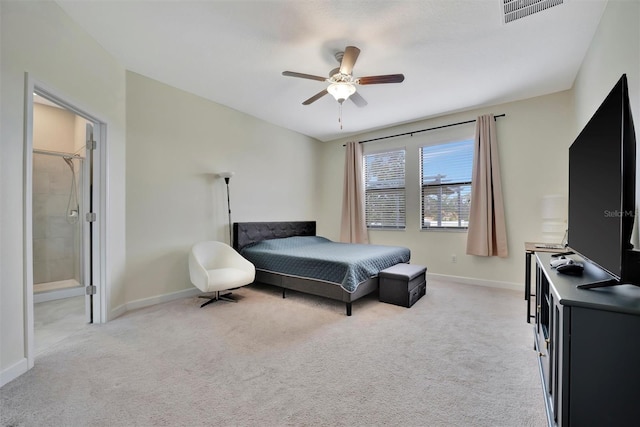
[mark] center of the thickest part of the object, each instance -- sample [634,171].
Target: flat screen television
[602,190]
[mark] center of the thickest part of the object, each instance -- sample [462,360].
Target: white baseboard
[478,282]
[13,371]
[147,302]
[117,312]
[58,294]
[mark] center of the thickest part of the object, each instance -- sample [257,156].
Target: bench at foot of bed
[403,284]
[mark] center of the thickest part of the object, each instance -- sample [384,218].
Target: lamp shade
[341,91]
[554,217]
[554,207]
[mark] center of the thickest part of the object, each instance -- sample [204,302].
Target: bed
[291,256]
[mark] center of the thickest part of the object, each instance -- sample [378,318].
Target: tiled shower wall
[56,242]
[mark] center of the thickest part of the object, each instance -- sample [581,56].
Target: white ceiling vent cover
[516,9]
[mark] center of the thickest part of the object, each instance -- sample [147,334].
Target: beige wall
[53,129]
[615,50]
[37,37]
[176,143]
[79,135]
[57,129]
[533,138]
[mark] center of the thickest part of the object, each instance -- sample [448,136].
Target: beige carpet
[462,356]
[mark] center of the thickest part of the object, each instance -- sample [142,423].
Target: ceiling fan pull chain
[340,114]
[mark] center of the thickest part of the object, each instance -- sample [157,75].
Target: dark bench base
[403,284]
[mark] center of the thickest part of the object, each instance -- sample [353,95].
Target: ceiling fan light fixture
[341,91]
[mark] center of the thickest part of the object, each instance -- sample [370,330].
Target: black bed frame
[246,233]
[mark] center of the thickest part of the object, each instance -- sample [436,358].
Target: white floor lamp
[227,176]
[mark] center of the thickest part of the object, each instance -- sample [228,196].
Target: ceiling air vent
[516,9]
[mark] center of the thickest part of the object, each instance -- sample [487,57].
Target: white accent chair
[216,266]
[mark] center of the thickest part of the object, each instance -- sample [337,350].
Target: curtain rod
[58,153]
[423,130]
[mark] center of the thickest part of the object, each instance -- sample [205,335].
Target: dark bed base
[245,233]
[316,287]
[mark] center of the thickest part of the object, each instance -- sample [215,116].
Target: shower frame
[79,253]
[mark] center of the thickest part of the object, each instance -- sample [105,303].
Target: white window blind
[446,184]
[384,175]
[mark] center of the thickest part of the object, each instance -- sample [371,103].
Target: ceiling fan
[342,84]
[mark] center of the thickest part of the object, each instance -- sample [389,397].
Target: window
[446,184]
[384,189]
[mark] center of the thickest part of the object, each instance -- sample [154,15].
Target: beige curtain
[353,228]
[487,234]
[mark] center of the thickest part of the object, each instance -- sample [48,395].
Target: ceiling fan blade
[349,59]
[358,100]
[374,80]
[303,76]
[315,97]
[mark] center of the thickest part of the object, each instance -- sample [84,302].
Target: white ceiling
[455,55]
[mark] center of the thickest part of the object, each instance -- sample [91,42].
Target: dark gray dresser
[588,344]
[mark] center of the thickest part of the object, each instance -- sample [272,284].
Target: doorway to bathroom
[64,251]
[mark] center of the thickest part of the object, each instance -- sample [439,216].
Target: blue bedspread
[346,264]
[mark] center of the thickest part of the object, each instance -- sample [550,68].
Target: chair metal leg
[226,297]
[216,297]
[208,302]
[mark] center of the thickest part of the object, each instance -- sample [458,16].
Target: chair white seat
[227,278]
[215,266]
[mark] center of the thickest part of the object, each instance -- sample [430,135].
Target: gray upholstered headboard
[245,233]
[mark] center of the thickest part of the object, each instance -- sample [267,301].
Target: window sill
[386,229]
[445,229]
